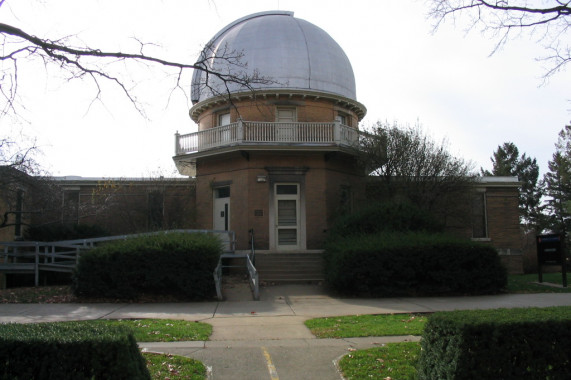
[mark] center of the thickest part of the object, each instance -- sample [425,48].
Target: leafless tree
[13,155]
[547,21]
[78,61]
[407,164]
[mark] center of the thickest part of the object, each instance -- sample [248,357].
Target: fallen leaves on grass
[64,294]
[40,294]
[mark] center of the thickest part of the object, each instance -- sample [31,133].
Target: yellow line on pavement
[271,367]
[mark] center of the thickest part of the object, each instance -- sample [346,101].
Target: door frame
[273,214]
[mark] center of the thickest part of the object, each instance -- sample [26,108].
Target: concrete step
[290,267]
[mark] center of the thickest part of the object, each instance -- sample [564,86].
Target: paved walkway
[267,339]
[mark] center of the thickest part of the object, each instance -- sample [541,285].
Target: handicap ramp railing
[33,257]
[249,258]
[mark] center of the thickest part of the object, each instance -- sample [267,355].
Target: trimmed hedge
[382,217]
[57,232]
[504,344]
[179,264]
[411,264]
[69,351]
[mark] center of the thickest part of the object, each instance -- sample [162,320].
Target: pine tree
[507,162]
[558,183]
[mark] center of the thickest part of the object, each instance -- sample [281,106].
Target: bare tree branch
[409,164]
[505,19]
[81,62]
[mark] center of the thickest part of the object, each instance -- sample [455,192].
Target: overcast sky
[404,72]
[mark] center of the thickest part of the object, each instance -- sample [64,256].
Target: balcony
[255,135]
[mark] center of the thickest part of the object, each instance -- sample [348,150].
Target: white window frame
[288,108]
[221,119]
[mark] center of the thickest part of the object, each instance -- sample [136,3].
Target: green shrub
[69,351]
[401,264]
[381,217]
[177,263]
[58,232]
[504,344]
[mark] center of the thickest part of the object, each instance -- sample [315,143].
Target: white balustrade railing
[252,132]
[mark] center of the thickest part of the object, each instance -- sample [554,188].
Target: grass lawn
[391,361]
[367,325]
[162,366]
[160,330]
[526,283]
[394,360]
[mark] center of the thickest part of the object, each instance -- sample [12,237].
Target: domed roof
[290,52]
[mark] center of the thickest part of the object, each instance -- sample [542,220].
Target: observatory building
[276,155]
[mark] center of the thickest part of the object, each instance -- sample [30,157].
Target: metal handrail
[254,280]
[252,271]
[218,280]
[252,246]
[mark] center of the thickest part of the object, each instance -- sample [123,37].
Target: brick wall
[320,181]
[122,206]
[264,109]
[503,217]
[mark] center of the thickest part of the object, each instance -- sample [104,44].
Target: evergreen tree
[504,160]
[558,183]
[507,162]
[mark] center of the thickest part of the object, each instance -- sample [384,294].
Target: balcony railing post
[337,132]
[240,131]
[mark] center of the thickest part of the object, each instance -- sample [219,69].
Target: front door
[222,209]
[287,216]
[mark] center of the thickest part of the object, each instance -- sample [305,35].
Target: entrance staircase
[290,267]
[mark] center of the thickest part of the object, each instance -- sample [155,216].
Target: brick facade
[320,180]
[263,108]
[121,206]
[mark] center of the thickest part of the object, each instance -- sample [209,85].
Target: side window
[342,118]
[479,220]
[224,119]
[286,115]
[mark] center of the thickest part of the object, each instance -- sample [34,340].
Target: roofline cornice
[200,107]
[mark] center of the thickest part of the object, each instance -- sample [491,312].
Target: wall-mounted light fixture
[261,179]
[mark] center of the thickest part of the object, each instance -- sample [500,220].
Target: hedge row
[383,217]
[58,232]
[69,351]
[504,344]
[174,264]
[411,264]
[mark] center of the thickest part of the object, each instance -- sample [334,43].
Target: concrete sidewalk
[298,302]
[267,339]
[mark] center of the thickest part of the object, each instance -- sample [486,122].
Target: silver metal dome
[290,52]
